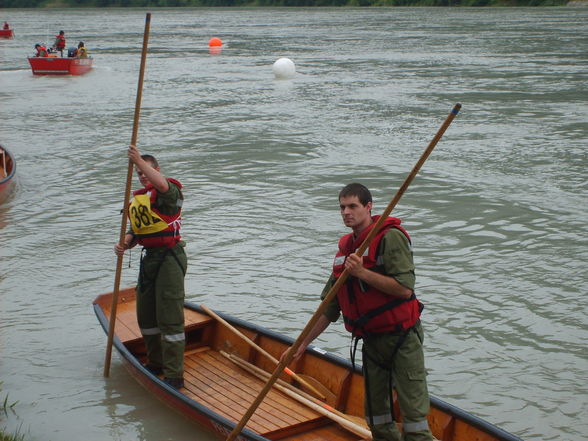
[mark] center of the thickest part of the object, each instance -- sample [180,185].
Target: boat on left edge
[60,65]
[7,172]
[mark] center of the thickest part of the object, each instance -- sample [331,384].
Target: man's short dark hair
[151,160]
[359,190]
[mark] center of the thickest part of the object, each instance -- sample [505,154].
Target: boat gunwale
[443,406]
[13,166]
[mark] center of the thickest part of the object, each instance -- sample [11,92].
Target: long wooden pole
[125,212]
[317,405]
[261,350]
[335,288]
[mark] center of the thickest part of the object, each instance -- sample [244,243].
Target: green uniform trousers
[385,364]
[160,307]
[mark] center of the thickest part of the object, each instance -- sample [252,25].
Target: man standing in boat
[59,43]
[155,217]
[379,306]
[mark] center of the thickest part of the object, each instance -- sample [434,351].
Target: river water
[497,215]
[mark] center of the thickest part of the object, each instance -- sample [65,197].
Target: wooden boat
[224,372]
[8,34]
[7,172]
[60,65]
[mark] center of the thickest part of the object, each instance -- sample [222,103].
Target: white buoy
[284,68]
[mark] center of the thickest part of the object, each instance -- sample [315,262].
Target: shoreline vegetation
[4,436]
[5,407]
[283,3]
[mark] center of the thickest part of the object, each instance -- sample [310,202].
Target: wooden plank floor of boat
[228,390]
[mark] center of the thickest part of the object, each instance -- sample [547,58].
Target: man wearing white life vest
[155,218]
[379,306]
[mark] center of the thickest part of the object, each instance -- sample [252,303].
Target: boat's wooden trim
[3,166]
[7,173]
[7,165]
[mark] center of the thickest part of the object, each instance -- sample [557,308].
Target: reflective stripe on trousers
[174,337]
[150,331]
[380,419]
[167,337]
[417,426]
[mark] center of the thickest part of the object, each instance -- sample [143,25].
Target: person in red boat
[6,26]
[81,51]
[59,43]
[41,51]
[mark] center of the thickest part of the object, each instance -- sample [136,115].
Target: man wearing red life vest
[41,51]
[59,43]
[155,218]
[379,306]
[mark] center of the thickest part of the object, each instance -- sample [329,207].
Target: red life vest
[169,236]
[61,43]
[365,309]
[42,51]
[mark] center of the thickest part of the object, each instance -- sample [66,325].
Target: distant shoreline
[32,4]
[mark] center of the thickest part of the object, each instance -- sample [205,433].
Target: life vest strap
[145,251]
[159,234]
[361,321]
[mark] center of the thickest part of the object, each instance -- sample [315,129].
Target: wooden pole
[125,210]
[335,288]
[251,343]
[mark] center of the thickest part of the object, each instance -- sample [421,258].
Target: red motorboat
[60,65]
[7,34]
[7,171]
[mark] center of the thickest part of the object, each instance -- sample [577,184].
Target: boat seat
[127,329]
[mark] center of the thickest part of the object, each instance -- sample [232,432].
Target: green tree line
[273,3]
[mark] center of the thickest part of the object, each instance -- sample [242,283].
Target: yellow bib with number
[143,219]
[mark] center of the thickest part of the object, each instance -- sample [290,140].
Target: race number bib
[143,219]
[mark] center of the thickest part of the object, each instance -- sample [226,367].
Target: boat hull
[60,65]
[7,34]
[218,391]
[199,415]
[7,173]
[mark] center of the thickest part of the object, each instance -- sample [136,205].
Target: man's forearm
[386,284]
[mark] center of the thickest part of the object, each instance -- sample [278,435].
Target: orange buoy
[215,42]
